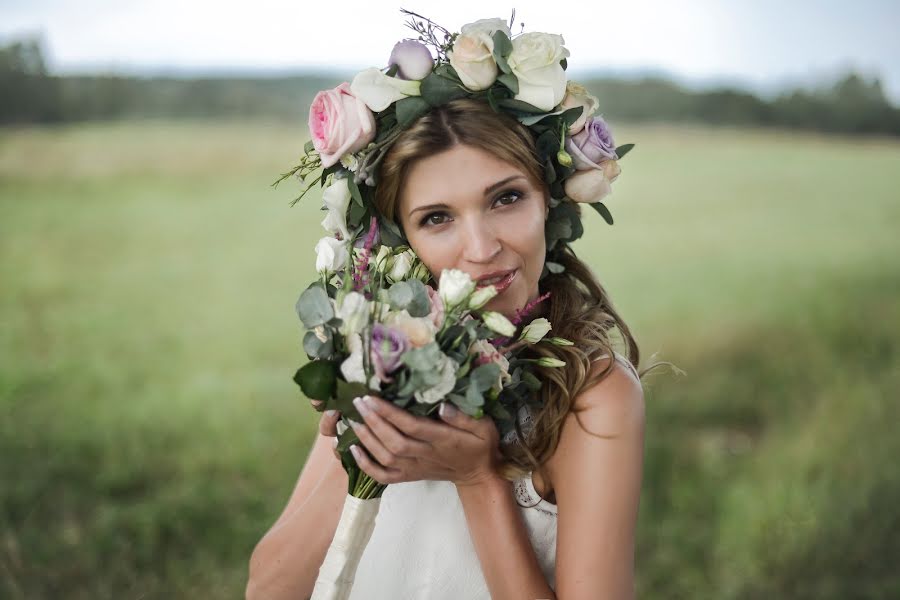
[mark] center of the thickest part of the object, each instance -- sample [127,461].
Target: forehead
[453,176]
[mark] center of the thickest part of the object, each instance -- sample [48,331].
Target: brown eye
[435,218]
[508,198]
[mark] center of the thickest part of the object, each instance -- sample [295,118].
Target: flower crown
[353,126]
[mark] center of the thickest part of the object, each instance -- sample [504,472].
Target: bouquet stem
[354,529]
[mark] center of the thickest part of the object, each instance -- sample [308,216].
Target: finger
[373,469]
[375,446]
[394,440]
[413,426]
[328,423]
[457,418]
[316,404]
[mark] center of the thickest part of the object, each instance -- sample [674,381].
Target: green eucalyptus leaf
[502,50]
[438,88]
[313,307]
[510,81]
[316,348]
[420,305]
[354,190]
[400,294]
[572,114]
[520,105]
[409,109]
[485,376]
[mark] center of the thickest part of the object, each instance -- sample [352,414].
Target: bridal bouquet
[375,326]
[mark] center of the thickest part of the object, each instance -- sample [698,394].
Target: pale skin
[594,481]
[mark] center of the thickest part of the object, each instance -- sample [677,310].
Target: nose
[480,242]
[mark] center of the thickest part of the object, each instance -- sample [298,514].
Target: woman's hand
[328,424]
[406,447]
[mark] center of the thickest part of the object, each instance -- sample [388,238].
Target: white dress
[421,547]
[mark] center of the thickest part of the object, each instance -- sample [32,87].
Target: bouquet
[376,326]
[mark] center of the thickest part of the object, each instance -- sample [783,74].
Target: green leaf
[409,109]
[308,147]
[531,381]
[439,88]
[390,233]
[485,376]
[502,49]
[344,394]
[313,307]
[316,348]
[317,379]
[510,81]
[401,295]
[423,359]
[623,150]
[354,189]
[520,106]
[604,212]
[572,114]
[420,305]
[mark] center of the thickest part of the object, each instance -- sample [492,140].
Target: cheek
[436,255]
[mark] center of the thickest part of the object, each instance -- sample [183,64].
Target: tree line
[853,104]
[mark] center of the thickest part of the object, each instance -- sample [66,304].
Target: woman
[548,514]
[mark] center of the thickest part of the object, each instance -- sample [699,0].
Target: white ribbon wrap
[338,570]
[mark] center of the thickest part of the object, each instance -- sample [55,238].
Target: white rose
[535,331]
[535,63]
[354,312]
[419,330]
[454,287]
[448,380]
[592,185]
[402,264]
[379,91]
[331,255]
[472,56]
[577,95]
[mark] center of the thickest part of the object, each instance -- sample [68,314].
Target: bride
[466,514]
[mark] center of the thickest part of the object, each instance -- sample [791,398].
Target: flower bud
[546,361]
[498,323]
[482,296]
[563,158]
[535,331]
[558,341]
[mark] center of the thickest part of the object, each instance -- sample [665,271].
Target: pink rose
[437,307]
[339,123]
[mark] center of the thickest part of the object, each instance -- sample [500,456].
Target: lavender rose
[388,344]
[412,58]
[591,145]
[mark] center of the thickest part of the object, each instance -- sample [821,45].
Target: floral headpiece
[353,125]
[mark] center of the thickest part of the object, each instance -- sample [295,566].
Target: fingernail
[353,423]
[362,406]
[447,410]
[354,451]
[330,413]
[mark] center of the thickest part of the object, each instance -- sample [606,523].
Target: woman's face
[466,209]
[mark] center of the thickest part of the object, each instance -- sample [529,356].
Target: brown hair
[578,307]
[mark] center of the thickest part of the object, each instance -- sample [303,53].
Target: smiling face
[466,209]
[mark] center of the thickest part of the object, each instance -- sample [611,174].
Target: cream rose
[535,63]
[419,331]
[592,185]
[577,95]
[472,56]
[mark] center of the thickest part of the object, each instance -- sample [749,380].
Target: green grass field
[150,431]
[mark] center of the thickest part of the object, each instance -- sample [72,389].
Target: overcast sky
[760,44]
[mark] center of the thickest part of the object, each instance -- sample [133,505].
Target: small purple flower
[413,59]
[388,344]
[591,145]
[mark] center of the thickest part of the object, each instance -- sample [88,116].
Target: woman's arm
[597,482]
[286,561]
[508,561]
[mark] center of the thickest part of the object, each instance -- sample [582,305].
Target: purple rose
[387,346]
[413,60]
[591,145]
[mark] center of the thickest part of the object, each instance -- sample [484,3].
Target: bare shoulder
[614,405]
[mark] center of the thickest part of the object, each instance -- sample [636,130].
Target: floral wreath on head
[353,125]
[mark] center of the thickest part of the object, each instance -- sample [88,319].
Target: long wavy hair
[578,307]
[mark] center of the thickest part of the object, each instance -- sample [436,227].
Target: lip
[510,276]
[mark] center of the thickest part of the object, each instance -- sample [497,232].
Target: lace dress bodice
[421,546]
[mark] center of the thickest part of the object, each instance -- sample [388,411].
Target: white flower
[419,330]
[454,287]
[482,296]
[472,54]
[382,260]
[577,95]
[535,63]
[354,312]
[350,161]
[379,91]
[498,323]
[535,331]
[402,264]
[331,255]
[592,185]
[352,368]
[448,370]
[336,198]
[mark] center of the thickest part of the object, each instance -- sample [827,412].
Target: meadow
[150,431]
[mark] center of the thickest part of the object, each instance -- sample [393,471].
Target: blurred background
[150,432]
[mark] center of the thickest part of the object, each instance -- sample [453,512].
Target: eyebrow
[487,191]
